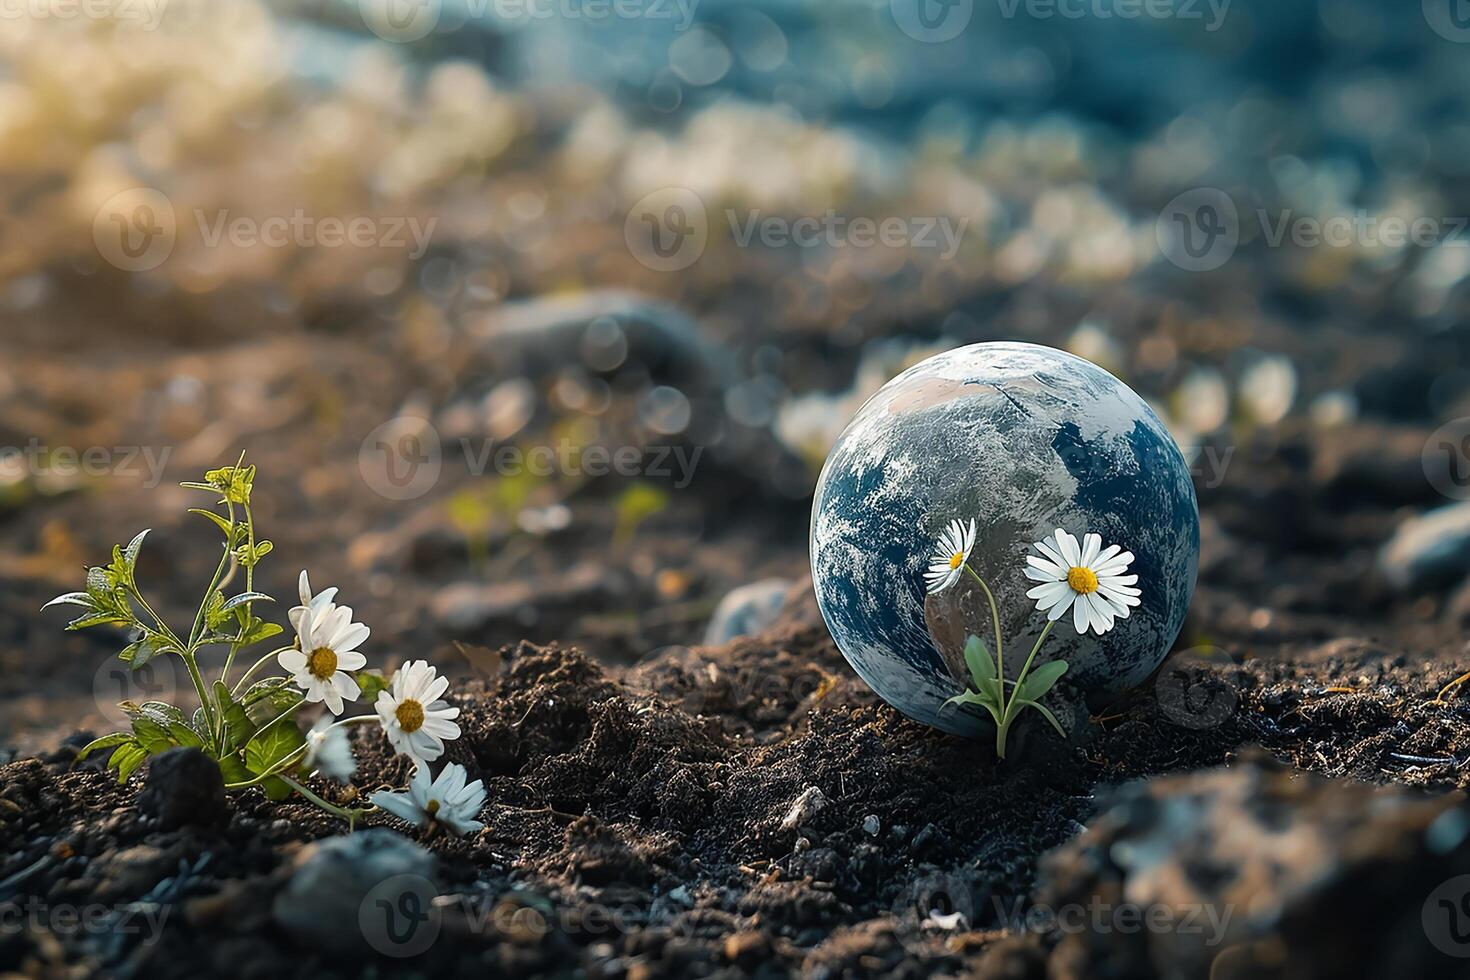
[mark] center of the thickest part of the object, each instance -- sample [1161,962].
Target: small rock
[807,805]
[321,903]
[1431,551]
[871,824]
[185,788]
[750,947]
[747,611]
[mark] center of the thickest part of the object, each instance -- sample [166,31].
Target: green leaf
[372,683]
[258,632]
[970,697]
[1040,680]
[82,599]
[130,555]
[219,522]
[160,727]
[238,726]
[126,759]
[269,699]
[235,602]
[233,769]
[98,619]
[106,741]
[1046,713]
[272,744]
[275,789]
[978,659]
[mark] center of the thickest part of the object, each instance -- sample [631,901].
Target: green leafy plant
[1089,581]
[250,726]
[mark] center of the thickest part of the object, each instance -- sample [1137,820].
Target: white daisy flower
[1089,580]
[414,718]
[315,603]
[948,563]
[328,750]
[446,800]
[329,640]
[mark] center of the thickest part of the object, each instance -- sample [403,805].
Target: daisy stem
[348,814]
[256,666]
[1000,660]
[224,673]
[1010,709]
[1016,693]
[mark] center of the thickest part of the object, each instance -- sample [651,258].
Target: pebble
[1430,551]
[807,805]
[747,611]
[332,878]
[184,788]
[871,824]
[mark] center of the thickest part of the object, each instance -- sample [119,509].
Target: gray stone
[184,788]
[747,610]
[1428,552]
[322,903]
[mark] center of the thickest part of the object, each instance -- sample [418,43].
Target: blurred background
[539,316]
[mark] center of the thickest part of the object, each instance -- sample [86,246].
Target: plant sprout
[1087,579]
[250,728]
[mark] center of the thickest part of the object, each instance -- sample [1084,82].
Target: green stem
[204,699]
[1021,678]
[256,666]
[224,674]
[348,814]
[219,572]
[1000,660]
[1011,708]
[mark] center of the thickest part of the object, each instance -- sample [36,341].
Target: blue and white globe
[1024,439]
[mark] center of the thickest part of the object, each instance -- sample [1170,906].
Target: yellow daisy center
[432,807]
[322,663]
[410,715]
[1083,580]
[956,560]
